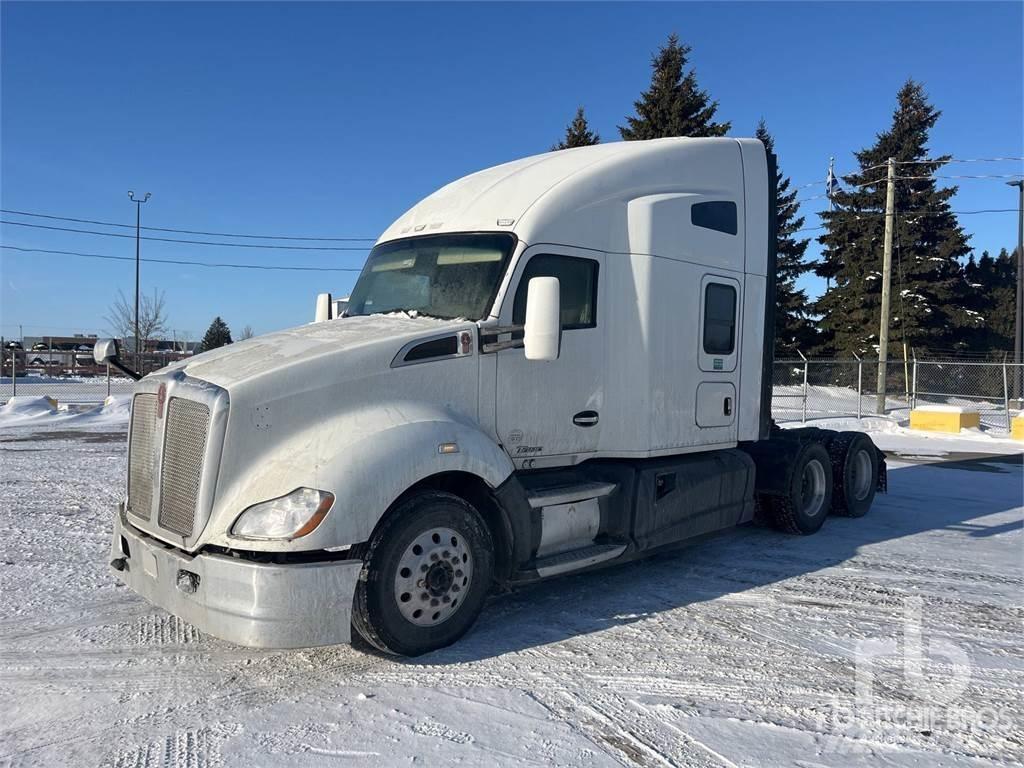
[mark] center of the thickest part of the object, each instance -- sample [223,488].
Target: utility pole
[138,223]
[830,187]
[883,329]
[1018,336]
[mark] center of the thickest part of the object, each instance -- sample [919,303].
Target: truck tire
[426,573]
[854,473]
[802,508]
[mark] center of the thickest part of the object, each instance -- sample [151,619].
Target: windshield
[447,276]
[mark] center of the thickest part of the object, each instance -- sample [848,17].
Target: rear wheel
[854,473]
[802,508]
[425,577]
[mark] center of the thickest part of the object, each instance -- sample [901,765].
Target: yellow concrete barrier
[1017,427]
[943,418]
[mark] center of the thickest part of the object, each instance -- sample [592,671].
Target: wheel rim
[433,577]
[861,475]
[812,485]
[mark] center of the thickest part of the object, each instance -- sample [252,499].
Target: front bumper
[261,605]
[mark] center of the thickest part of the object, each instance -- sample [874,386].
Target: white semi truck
[556,364]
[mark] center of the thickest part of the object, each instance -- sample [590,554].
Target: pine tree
[578,133]
[793,330]
[992,300]
[1004,300]
[217,335]
[674,105]
[929,292]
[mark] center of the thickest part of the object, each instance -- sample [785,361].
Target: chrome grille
[184,447]
[142,454]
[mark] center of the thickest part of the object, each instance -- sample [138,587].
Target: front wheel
[426,574]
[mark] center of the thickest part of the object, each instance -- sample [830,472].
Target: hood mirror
[106,351]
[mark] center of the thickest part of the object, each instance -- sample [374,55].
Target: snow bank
[944,409]
[26,410]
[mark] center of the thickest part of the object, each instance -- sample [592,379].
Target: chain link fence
[803,389]
[68,374]
[65,389]
[808,389]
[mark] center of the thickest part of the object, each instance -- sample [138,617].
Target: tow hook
[119,564]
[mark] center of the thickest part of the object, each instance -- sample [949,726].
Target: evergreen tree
[217,335]
[578,133]
[929,293]
[793,331]
[992,299]
[674,105]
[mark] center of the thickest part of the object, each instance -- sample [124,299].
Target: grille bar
[185,438]
[142,453]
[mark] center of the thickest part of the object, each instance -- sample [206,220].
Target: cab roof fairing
[574,196]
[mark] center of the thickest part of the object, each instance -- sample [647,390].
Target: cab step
[568,494]
[577,559]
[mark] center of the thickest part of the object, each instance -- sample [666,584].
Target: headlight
[286,517]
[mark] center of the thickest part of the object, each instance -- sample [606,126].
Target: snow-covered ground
[739,651]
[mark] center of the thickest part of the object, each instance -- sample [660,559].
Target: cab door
[553,409]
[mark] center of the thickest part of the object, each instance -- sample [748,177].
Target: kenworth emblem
[161,398]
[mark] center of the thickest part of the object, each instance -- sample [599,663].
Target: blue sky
[330,119]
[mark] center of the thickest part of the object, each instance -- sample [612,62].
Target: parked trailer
[552,365]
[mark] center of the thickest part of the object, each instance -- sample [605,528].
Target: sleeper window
[577,281]
[719,319]
[719,215]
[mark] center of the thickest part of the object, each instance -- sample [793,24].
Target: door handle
[585,419]
[727,406]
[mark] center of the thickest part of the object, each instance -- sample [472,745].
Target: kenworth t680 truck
[555,364]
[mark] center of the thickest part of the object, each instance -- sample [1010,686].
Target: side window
[577,280]
[719,319]
[719,215]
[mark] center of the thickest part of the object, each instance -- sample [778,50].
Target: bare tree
[120,319]
[152,319]
[247,333]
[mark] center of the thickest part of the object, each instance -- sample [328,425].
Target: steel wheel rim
[433,577]
[813,488]
[861,475]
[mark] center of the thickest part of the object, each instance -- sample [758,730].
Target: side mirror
[105,350]
[323,308]
[542,335]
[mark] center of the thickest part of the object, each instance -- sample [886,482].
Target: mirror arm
[124,368]
[489,338]
[497,346]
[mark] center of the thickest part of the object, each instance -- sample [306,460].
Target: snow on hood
[282,349]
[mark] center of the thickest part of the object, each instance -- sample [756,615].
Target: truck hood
[276,353]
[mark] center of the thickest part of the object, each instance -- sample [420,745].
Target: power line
[800,200]
[940,161]
[184,262]
[868,214]
[964,176]
[190,242]
[188,231]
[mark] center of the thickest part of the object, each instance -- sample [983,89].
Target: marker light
[286,517]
